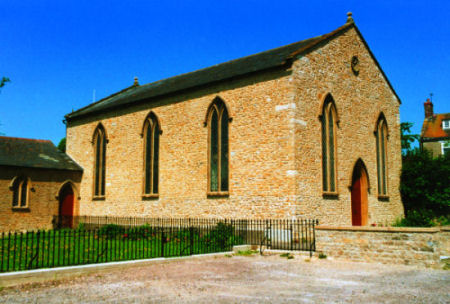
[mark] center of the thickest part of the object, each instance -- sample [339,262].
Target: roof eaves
[99,101]
[322,39]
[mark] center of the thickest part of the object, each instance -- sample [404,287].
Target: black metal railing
[89,239]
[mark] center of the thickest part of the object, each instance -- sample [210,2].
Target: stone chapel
[306,130]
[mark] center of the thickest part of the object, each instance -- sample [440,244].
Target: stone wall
[43,203]
[359,101]
[274,142]
[388,245]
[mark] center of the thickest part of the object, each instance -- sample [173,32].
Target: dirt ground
[245,279]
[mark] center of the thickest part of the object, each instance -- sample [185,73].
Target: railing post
[162,242]
[191,240]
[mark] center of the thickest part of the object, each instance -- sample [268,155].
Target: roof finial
[136,82]
[349,17]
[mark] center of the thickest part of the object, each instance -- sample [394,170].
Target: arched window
[151,134]
[217,121]
[99,142]
[381,135]
[329,122]
[20,188]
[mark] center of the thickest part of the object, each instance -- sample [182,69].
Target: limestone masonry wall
[260,144]
[409,246]
[359,101]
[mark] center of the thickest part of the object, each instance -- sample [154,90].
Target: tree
[62,145]
[425,188]
[407,139]
[3,81]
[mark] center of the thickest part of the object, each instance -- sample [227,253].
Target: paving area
[245,279]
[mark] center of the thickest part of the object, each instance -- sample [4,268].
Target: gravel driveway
[246,279]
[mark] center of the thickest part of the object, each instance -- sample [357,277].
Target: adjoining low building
[310,129]
[435,135]
[37,183]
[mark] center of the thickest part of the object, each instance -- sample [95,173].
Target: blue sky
[56,53]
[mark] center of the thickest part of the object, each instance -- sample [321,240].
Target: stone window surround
[16,188]
[152,119]
[329,106]
[102,166]
[215,105]
[382,123]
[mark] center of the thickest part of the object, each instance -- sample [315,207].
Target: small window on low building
[20,188]
[445,147]
[446,124]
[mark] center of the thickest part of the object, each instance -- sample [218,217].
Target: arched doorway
[360,186]
[66,204]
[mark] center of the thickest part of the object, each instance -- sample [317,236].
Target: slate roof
[34,153]
[432,128]
[273,58]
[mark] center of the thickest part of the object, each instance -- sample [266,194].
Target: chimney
[428,108]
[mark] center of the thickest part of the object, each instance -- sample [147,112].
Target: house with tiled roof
[310,129]
[435,135]
[38,183]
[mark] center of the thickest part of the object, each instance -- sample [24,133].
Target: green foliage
[3,81]
[246,252]
[81,226]
[111,231]
[287,255]
[62,145]
[407,139]
[322,255]
[222,237]
[425,189]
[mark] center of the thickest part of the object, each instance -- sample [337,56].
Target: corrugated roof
[34,153]
[262,61]
[432,127]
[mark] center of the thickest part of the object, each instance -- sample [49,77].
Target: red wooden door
[67,205]
[356,203]
[66,208]
[360,195]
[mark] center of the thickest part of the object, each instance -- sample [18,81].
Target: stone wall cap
[383,229]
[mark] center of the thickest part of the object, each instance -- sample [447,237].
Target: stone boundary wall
[388,245]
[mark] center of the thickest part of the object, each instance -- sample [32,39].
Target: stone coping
[384,229]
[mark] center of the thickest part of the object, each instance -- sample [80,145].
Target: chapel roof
[432,128]
[34,153]
[273,58]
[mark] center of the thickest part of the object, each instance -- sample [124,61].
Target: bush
[425,189]
[222,237]
[111,231]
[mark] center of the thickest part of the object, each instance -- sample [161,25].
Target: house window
[381,137]
[99,161]
[446,124]
[151,155]
[217,120]
[329,123]
[445,147]
[20,188]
